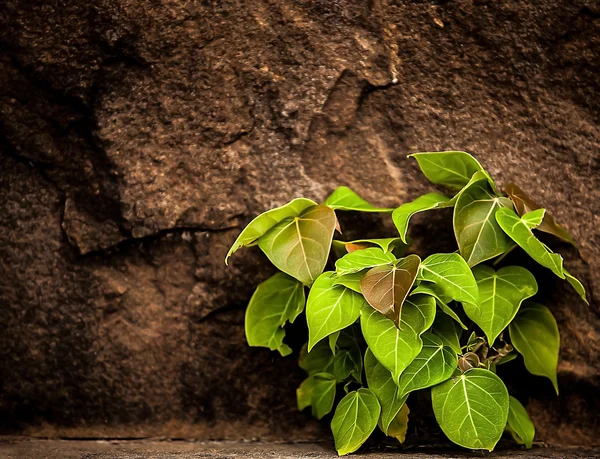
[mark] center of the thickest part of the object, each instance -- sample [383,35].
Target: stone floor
[28,448]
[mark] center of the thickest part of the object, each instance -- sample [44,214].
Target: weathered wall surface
[138,137]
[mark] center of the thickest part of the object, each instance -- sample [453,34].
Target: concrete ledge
[28,448]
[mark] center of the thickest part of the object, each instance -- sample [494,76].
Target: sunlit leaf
[472,409]
[434,364]
[452,169]
[500,294]
[265,221]
[343,198]
[452,274]
[330,308]
[448,330]
[277,300]
[576,284]
[519,230]
[386,287]
[351,281]
[520,425]
[380,381]
[361,259]
[478,235]
[419,312]
[524,204]
[442,300]
[300,246]
[534,334]
[354,420]
[402,214]
[399,425]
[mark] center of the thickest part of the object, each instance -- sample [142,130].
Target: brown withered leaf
[386,287]
[524,204]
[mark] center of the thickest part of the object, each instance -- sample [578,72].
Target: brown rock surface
[136,138]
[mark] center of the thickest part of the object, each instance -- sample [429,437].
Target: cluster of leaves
[383,324]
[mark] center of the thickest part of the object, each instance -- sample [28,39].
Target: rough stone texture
[138,137]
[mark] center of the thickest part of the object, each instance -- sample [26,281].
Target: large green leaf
[478,235]
[520,231]
[343,198]
[361,259]
[300,246]
[452,274]
[330,308]
[276,301]
[452,169]
[401,216]
[267,220]
[434,364]
[501,294]
[323,394]
[351,281]
[519,424]
[442,300]
[354,420]
[524,204]
[448,330]
[386,287]
[576,284]
[534,334]
[397,347]
[380,381]
[472,409]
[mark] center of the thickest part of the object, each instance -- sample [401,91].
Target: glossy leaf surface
[277,300]
[343,198]
[361,259]
[453,169]
[442,300]
[520,425]
[472,408]
[323,394]
[452,274]
[401,216]
[351,281]
[448,330]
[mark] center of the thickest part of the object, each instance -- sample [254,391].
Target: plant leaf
[387,244]
[354,420]
[501,294]
[267,220]
[452,274]
[343,198]
[351,281]
[453,169]
[472,409]
[524,204]
[576,284]
[385,287]
[399,425]
[401,216]
[380,381]
[323,394]
[304,393]
[434,364]
[277,300]
[448,331]
[318,360]
[519,231]
[361,259]
[330,308]
[300,246]
[478,235]
[419,313]
[534,334]
[521,426]
[396,347]
[442,300]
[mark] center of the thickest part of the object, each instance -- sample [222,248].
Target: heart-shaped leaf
[449,331]
[277,300]
[386,287]
[330,308]
[267,220]
[434,364]
[477,233]
[519,424]
[452,274]
[534,334]
[453,169]
[380,381]
[354,420]
[351,281]
[401,216]
[519,231]
[442,300]
[300,246]
[500,294]
[419,313]
[524,204]
[361,259]
[343,198]
[472,409]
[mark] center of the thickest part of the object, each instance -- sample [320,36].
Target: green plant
[382,325]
